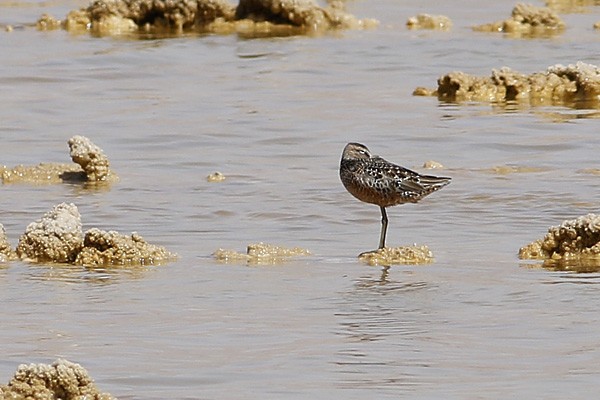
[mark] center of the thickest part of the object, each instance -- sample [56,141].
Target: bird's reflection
[382,316]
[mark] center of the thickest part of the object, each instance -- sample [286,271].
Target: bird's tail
[434,182]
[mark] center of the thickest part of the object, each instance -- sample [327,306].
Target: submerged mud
[398,255]
[60,380]
[573,243]
[575,85]
[259,17]
[260,254]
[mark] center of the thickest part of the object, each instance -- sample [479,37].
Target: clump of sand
[215,177]
[60,380]
[91,166]
[91,158]
[527,20]
[58,238]
[573,239]
[262,17]
[260,253]
[112,248]
[560,85]
[398,255]
[431,164]
[427,21]
[6,252]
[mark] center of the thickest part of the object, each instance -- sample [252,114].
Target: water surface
[273,115]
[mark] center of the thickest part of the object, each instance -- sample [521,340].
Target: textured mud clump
[56,237]
[527,20]
[398,255]
[426,21]
[260,253]
[300,13]
[47,23]
[6,252]
[431,164]
[113,17]
[91,158]
[573,239]
[112,248]
[60,380]
[91,166]
[215,177]
[577,84]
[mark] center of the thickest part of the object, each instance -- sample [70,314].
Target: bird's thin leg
[384,224]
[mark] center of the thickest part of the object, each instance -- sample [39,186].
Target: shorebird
[374,180]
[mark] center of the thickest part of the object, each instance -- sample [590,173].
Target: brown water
[273,115]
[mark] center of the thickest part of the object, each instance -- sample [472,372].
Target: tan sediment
[6,252]
[573,242]
[399,255]
[527,20]
[91,166]
[91,158]
[249,17]
[43,173]
[260,253]
[513,169]
[58,238]
[60,380]
[571,6]
[102,248]
[431,164]
[427,21]
[215,177]
[47,23]
[589,171]
[573,85]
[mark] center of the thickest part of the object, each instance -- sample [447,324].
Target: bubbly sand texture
[43,173]
[428,21]
[577,238]
[6,252]
[572,85]
[60,380]
[260,253]
[56,237]
[91,158]
[260,17]
[102,248]
[398,255]
[527,20]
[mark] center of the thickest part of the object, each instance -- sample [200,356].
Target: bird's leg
[384,224]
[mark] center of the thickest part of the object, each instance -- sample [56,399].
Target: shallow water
[273,116]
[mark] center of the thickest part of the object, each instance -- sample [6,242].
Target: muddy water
[273,116]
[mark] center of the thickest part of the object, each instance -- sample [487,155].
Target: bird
[374,180]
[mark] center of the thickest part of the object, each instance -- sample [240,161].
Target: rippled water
[273,115]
